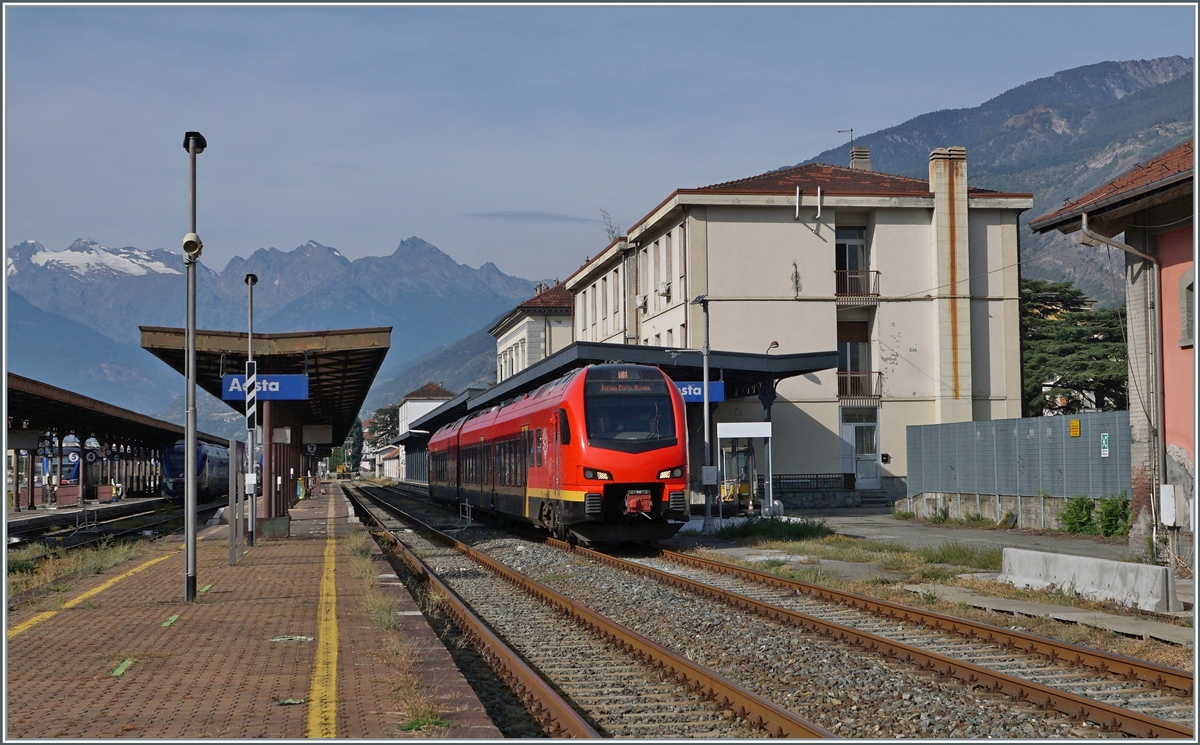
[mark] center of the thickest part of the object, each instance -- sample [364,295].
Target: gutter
[1160,462]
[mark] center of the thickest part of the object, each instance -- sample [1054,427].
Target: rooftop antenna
[851,131]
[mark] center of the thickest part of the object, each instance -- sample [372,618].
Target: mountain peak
[88,259]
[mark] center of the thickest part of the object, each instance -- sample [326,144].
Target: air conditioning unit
[640,302]
[664,289]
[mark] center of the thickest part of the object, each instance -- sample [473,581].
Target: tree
[385,425]
[1070,353]
[611,229]
[354,445]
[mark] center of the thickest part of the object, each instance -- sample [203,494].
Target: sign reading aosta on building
[694,392]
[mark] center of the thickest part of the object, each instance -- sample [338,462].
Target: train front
[632,456]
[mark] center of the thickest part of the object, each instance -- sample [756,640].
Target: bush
[1076,516]
[941,516]
[902,514]
[1111,516]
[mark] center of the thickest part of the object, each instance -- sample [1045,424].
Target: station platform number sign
[269,387]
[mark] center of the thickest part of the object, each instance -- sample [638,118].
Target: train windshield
[630,415]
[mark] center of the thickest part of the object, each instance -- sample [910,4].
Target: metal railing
[860,384]
[857,283]
[796,482]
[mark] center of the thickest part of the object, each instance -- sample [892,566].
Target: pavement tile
[215,672]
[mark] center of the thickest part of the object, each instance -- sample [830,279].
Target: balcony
[857,287]
[860,388]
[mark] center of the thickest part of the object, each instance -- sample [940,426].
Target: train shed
[40,416]
[340,366]
[743,374]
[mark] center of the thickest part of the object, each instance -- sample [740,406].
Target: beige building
[534,330]
[412,407]
[913,281]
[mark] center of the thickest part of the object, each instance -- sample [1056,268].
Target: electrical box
[708,475]
[282,435]
[1173,509]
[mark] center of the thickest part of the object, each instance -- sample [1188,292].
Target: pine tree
[1071,351]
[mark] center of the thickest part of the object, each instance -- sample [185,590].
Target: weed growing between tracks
[416,703]
[26,571]
[805,568]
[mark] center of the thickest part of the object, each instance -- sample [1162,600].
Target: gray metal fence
[1027,457]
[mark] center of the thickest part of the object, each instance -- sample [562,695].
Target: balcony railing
[865,386]
[857,286]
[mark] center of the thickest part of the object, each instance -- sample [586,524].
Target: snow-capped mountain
[427,298]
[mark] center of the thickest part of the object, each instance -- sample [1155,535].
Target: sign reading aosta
[267,388]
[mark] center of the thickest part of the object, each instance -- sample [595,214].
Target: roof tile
[1175,161]
[831,179]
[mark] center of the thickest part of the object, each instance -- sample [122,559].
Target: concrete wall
[1031,512]
[1143,586]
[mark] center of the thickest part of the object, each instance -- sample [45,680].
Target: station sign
[694,392]
[269,387]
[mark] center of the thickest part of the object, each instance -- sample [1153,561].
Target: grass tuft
[760,529]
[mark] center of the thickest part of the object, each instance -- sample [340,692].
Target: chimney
[948,182]
[860,158]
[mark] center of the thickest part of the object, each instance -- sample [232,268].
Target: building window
[583,314]
[850,246]
[667,258]
[670,337]
[1187,307]
[853,339]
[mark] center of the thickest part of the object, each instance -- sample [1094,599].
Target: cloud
[531,216]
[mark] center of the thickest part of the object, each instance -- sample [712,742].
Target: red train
[598,455]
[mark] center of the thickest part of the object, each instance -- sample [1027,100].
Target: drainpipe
[1160,462]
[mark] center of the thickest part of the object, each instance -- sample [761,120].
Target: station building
[1150,208]
[913,281]
[533,331]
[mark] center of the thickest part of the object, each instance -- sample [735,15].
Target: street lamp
[251,416]
[773,345]
[706,474]
[194,143]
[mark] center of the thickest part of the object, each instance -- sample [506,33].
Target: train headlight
[592,473]
[671,473]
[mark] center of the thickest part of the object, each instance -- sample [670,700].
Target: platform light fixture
[194,144]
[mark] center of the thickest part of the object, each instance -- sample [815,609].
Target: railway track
[613,681]
[1112,692]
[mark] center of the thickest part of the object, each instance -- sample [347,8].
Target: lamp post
[706,474]
[194,143]
[252,413]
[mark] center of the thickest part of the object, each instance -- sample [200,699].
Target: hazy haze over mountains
[95,297]
[73,314]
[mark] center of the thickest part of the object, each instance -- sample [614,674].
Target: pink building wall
[1174,250]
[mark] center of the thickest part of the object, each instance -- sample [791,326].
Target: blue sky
[495,133]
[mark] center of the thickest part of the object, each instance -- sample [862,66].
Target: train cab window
[632,415]
[564,427]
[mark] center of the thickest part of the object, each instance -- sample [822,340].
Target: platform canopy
[341,365]
[33,405]
[744,374]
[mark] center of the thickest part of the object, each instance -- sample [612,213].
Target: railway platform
[52,516]
[280,645]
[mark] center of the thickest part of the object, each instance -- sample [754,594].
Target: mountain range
[1057,137]
[73,314]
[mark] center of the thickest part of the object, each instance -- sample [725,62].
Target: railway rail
[622,683]
[1114,692]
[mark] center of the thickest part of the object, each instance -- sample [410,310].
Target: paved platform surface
[246,659]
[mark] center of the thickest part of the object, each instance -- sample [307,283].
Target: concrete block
[1147,587]
[274,527]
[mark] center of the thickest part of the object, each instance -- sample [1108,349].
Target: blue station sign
[269,387]
[694,392]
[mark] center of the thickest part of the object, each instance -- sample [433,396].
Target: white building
[913,281]
[534,330]
[413,406]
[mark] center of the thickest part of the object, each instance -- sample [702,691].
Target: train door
[555,448]
[526,466]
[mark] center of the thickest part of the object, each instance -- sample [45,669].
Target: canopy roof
[341,365]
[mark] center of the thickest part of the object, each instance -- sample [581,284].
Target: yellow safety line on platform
[322,696]
[26,625]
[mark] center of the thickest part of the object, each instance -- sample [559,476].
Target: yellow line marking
[322,696]
[26,625]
